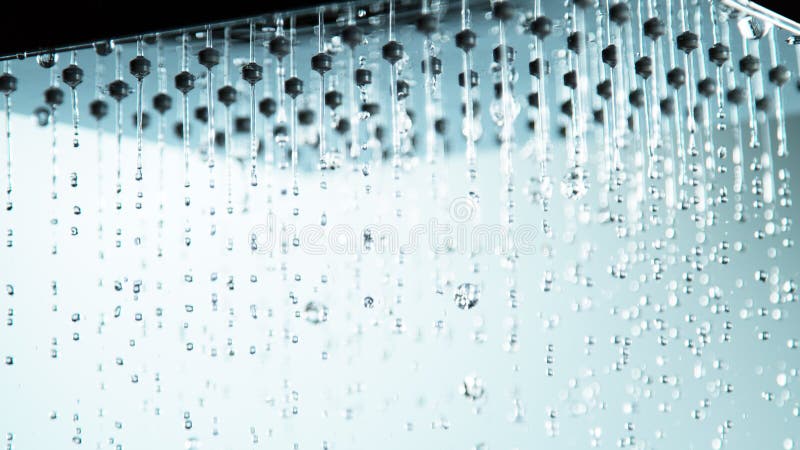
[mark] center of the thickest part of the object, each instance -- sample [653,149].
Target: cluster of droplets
[670,147]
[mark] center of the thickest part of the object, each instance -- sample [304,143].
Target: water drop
[467,295]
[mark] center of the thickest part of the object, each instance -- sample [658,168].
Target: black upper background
[30,25]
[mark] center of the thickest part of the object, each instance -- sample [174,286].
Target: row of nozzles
[624,65]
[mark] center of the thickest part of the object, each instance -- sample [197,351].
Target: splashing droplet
[467,295]
[575,184]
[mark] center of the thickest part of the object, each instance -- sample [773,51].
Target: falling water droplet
[467,295]
[575,183]
[472,388]
[314,313]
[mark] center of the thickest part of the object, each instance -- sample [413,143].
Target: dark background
[31,25]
